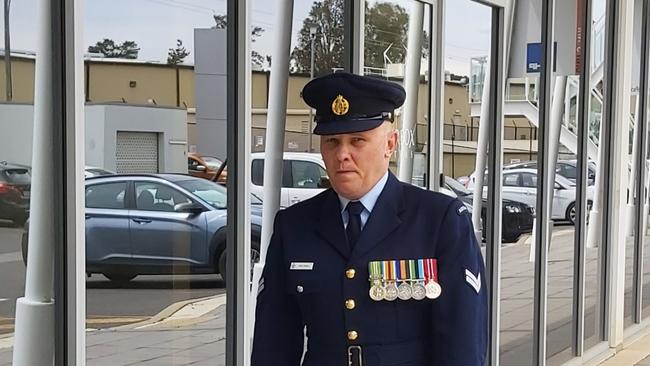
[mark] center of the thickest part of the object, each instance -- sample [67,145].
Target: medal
[419,291]
[433,289]
[391,287]
[377,291]
[404,290]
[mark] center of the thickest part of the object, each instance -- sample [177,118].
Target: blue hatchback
[158,224]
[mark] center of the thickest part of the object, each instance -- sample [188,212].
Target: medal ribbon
[403,270]
[434,270]
[421,269]
[412,270]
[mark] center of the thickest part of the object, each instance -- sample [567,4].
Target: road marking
[1,300]
[11,257]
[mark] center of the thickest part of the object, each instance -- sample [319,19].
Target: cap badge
[340,106]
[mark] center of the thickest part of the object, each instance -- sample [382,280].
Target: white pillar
[481,154]
[34,336]
[411,85]
[621,85]
[632,179]
[275,126]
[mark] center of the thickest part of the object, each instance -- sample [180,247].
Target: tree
[327,17]
[221,22]
[385,34]
[108,47]
[176,55]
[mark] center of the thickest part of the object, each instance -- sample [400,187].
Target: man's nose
[343,153]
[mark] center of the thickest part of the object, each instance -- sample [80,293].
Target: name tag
[301,266]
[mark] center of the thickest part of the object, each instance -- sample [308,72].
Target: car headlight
[512,208]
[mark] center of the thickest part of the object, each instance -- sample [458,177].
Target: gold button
[353,335]
[350,304]
[350,273]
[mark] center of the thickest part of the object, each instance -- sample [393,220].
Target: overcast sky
[156,24]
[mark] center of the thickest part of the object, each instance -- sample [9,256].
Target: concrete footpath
[190,333]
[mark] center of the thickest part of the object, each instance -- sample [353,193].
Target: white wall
[16,133]
[169,123]
[527,29]
[210,91]
[102,123]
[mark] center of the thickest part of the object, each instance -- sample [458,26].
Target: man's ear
[391,141]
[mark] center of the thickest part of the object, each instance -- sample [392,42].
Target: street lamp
[312,37]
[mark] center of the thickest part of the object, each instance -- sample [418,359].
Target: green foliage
[176,55]
[327,17]
[221,22]
[110,49]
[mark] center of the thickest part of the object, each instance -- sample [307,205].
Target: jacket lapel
[384,218]
[331,224]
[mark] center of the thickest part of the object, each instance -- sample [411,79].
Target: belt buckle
[351,356]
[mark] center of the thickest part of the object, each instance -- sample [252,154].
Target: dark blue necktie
[353,230]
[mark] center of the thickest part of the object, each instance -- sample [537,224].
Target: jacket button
[350,273]
[353,335]
[299,289]
[350,304]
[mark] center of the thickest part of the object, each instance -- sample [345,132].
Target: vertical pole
[641,166]
[495,165]
[8,81]
[35,333]
[616,109]
[411,84]
[437,94]
[582,122]
[312,36]
[275,128]
[238,152]
[545,185]
[353,42]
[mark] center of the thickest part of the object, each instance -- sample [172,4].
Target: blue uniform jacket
[406,223]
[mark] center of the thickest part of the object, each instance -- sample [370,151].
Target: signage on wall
[534,57]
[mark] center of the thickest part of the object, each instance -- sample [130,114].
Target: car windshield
[212,162]
[211,192]
[16,175]
[457,187]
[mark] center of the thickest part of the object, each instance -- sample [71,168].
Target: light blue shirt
[368,201]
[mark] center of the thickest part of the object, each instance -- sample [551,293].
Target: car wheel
[23,243]
[255,257]
[120,278]
[571,212]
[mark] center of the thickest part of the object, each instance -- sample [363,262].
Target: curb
[167,315]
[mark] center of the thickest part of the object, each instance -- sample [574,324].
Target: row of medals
[406,290]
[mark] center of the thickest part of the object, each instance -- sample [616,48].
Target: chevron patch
[473,281]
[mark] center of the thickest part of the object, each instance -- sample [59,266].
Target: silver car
[158,224]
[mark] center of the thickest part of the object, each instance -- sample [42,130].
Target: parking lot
[107,304]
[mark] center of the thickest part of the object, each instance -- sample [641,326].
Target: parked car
[521,185]
[158,224]
[566,168]
[92,171]
[303,176]
[516,217]
[206,167]
[15,189]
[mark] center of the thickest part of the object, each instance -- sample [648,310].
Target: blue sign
[534,57]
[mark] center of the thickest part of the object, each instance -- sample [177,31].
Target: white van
[303,176]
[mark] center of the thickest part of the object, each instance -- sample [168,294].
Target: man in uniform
[372,271]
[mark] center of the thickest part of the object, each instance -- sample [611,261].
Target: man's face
[356,161]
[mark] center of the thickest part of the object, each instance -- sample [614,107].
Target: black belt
[358,355]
